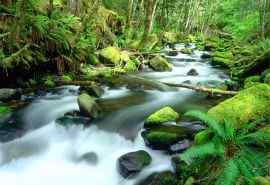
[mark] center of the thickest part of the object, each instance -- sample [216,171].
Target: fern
[211,123]
[230,173]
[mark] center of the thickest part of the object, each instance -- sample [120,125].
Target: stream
[47,154]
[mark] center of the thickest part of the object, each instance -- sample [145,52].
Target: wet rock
[205,55]
[193,72]
[187,82]
[88,106]
[194,126]
[166,114]
[180,146]
[172,53]
[159,63]
[71,120]
[163,136]
[160,178]
[92,90]
[90,158]
[132,163]
[188,51]
[7,94]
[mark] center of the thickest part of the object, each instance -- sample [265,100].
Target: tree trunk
[150,10]
[130,11]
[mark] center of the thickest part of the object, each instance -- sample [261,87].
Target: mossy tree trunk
[129,16]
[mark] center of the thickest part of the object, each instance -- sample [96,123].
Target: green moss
[149,43]
[248,105]
[165,114]
[134,44]
[251,81]
[169,37]
[267,78]
[4,110]
[159,63]
[124,55]
[160,140]
[202,137]
[111,55]
[223,59]
[66,78]
[262,181]
[130,66]
[187,51]
[93,60]
[49,82]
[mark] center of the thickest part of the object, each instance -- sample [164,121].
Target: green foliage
[233,151]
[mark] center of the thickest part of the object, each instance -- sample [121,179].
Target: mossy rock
[132,163]
[93,60]
[251,81]
[222,59]
[166,114]
[262,181]
[160,140]
[202,137]
[4,110]
[169,37]
[159,63]
[160,178]
[110,55]
[248,105]
[134,44]
[187,51]
[88,106]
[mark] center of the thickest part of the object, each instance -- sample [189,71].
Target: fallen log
[212,91]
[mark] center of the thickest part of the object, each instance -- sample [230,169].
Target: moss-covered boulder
[188,51]
[163,136]
[92,90]
[160,178]
[66,78]
[159,63]
[169,37]
[132,163]
[222,59]
[73,120]
[88,106]
[248,105]
[262,181]
[251,81]
[166,114]
[110,55]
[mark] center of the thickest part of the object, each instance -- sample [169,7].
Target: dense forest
[135,92]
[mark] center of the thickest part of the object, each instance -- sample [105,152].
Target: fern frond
[201,151]
[210,122]
[259,137]
[229,130]
[230,174]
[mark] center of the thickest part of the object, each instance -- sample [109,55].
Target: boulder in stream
[193,72]
[88,106]
[160,178]
[89,157]
[166,114]
[180,146]
[68,120]
[132,163]
[92,90]
[159,63]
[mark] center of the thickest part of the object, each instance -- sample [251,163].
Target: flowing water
[47,154]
